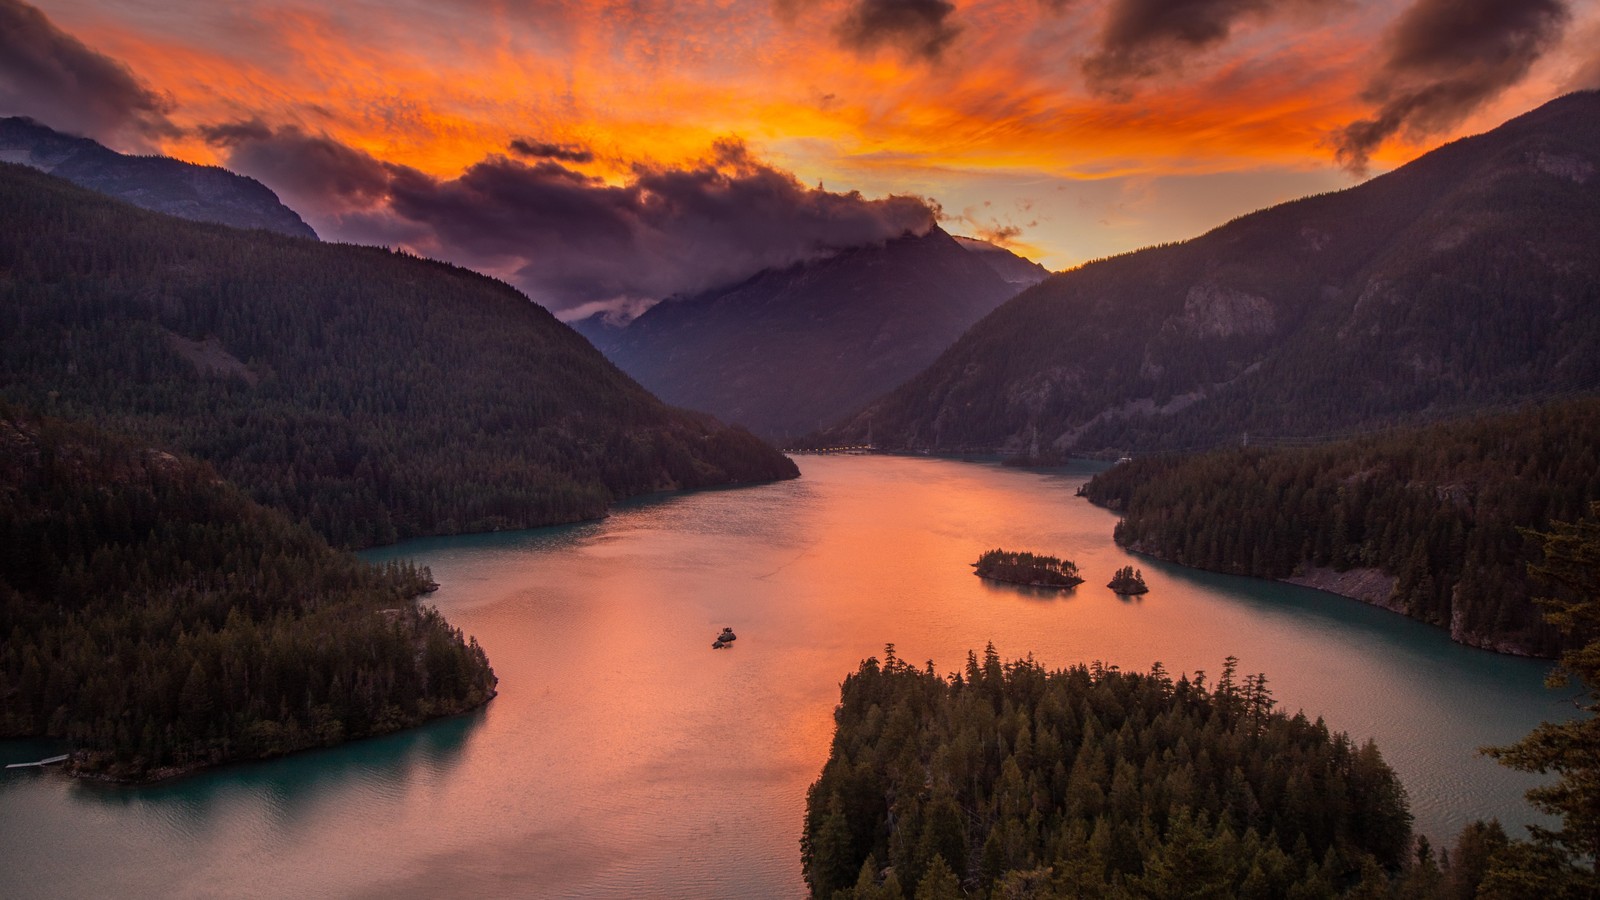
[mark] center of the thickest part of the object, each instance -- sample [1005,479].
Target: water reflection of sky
[624,756]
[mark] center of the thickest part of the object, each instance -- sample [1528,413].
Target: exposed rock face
[1372,586]
[159,183]
[1211,311]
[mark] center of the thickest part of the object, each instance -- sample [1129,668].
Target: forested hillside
[159,620]
[1464,279]
[1010,780]
[375,395]
[1427,519]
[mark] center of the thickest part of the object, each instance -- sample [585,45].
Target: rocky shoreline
[1375,588]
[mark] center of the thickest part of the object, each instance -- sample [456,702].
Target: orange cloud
[441,87]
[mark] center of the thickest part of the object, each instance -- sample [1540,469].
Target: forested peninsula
[375,395]
[159,620]
[1425,521]
[1011,780]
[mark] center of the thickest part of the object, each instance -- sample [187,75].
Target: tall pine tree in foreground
[1561,862]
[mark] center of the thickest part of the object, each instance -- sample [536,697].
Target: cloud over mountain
[1443,60]
[50,75]
[571,240]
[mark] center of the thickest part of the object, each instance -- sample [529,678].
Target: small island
[1031,569]
[1128,580]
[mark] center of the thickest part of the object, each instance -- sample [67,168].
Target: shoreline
[1033,584]
[1357,585]
[71,768]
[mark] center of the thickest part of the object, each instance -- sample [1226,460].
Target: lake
[625,757]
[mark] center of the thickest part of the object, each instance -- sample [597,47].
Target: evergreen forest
[1023,567]
[1011,780]
[159,620]
[1438,510]
[373,395]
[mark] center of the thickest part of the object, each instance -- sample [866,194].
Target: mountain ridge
[1466,277]
[157,183]
[788,349]
[371,393]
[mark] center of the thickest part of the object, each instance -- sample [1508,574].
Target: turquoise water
[625,757]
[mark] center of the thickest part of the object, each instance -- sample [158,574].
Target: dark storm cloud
[1444,59]
[1145,37]
[51,76]
[318,169]
[542,150]
[564,237]
[919,28]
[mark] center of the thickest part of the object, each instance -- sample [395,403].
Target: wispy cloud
[1443,60]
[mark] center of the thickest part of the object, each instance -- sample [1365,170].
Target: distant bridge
[847,450]
[43,762]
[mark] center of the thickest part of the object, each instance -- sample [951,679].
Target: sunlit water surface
[625,757]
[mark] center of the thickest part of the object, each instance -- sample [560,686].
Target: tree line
[1438,509]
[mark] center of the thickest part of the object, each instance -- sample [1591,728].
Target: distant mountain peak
[1013,267]
[158,183]
[791,348]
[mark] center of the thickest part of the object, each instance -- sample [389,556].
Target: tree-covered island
[1128,580]
[1012,780]
[1031,569]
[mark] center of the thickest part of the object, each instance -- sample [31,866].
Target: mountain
[372,394]
[1469,277]
[159,620]
[159,183]
[793,348]
[1017,270]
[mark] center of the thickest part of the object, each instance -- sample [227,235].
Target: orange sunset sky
[1071,128]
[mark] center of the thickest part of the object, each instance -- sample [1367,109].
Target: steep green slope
[375,395]
[159,620]
[1468,277]
[1421,521]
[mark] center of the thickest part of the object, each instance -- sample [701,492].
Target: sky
[603,154]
